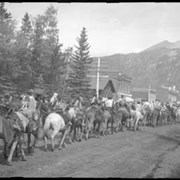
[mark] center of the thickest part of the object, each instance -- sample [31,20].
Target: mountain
[165,44]
[158,65]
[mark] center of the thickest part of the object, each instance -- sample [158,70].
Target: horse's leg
[103,128]
[136,123]
[63,138]
[98,129]
[81,133]
[70,137]
[21,148]
[5,152]
[135,119]
[29,141]
[45,142]
[36,138]
[54,133]
[14,144]
[155,121]
[16,151]
[74,133]
[87,131]
[71,132]
[112,122]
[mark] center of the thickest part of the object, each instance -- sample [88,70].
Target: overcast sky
[111,27]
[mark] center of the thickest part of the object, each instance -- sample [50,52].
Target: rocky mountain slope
[158,65]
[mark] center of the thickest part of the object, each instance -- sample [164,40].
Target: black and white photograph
[90,89]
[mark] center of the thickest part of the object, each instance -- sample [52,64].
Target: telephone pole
[98,77]
[149,93]
[97,81]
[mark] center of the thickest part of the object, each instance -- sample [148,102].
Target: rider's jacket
[109,103]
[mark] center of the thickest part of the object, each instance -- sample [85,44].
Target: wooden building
[144,94]
[169,94]
[113,85]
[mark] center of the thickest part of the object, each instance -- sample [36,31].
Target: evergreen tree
[64,72]
[47,55]
[6,39]
[79,82]
[7,61]
[37,48]
[23,53]
[4,15]
[53,59]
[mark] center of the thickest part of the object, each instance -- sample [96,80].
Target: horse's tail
[46,126]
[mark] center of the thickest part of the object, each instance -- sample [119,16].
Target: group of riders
[120,112]
[28,103]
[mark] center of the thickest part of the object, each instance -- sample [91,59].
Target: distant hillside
[165,44]
[158,65]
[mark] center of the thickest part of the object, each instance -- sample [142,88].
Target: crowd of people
[130,111]
[28,102]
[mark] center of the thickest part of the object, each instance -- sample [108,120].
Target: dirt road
[149,152]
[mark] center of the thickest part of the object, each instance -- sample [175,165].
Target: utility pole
[149,93]
[98,77]
[97,81]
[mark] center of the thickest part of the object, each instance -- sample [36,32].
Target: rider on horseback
[7,102]
[30,110]
[96,103]
[109,105]
[79,109]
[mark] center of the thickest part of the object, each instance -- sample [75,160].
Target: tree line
[31,57]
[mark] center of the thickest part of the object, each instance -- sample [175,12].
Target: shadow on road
[169,138]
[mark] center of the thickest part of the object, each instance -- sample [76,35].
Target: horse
[105,121]
[124,111]
[155,116]
[11,136]
[93,117]
[78,124]
[147,112]
[117,118]
[100,119]
[136,116]
[77,118]
[33,127]
[34,115]
[55,122]
[114,118]
[164,116]
[178,114]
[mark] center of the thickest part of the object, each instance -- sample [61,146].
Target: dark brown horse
[11,136]
[94,118]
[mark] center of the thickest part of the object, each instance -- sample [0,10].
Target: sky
[111,27]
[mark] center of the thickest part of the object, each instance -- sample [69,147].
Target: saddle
[64,115]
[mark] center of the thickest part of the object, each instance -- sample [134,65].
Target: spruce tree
[6,39]
[47,55]
[7,60]
[79,82]
[4,15]
[24,53]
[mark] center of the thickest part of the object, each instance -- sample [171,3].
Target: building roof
[106,70]
[139,89]
[106,77]
[140,94]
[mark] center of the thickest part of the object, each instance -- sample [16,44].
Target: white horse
[136,116]
[55,122]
